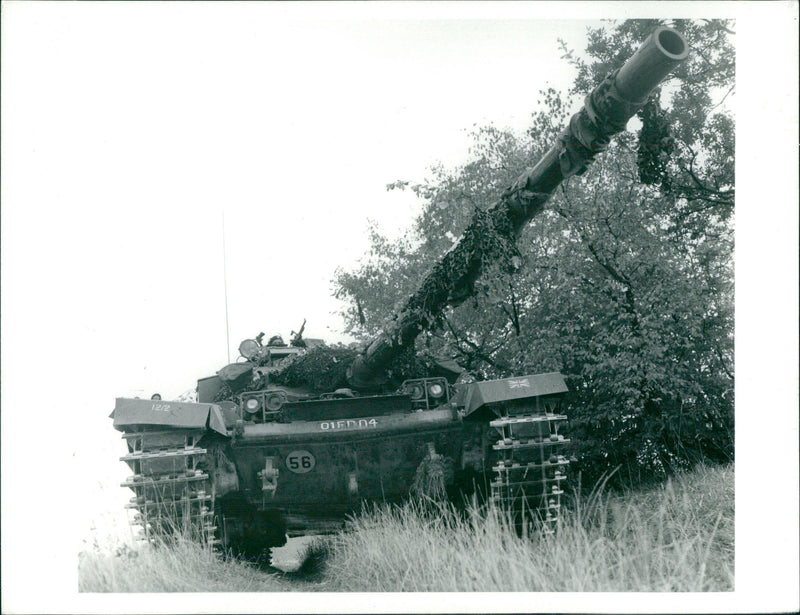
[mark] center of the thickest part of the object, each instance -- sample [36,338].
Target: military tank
[257,458]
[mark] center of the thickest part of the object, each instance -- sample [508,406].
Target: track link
[172,493]
[531,465]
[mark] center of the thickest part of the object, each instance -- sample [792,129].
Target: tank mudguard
[130,412]
[479,394]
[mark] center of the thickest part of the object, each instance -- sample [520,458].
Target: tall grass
[676,537]
[181,566]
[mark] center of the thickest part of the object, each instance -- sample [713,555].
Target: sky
[179,177]
[140,138]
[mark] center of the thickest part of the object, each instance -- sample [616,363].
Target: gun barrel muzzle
[662,51]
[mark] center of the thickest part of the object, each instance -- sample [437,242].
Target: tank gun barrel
[605,113]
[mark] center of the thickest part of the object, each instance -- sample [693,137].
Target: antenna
[225,282]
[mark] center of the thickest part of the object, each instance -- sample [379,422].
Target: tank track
[531,466]
[173,494]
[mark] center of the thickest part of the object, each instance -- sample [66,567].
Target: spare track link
[531,466]
[173,495]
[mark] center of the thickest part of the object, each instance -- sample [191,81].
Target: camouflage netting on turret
[228,393]
[322,369]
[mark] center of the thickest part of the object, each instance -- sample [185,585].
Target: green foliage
[626,282]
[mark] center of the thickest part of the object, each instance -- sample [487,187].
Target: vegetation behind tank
[626,282]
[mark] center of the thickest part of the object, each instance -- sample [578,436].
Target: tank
[261,456]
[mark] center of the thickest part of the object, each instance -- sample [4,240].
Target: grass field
[678,536]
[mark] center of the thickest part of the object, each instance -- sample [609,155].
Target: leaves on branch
[627,283]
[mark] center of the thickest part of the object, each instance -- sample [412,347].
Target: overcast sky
[129,130]
[135,137]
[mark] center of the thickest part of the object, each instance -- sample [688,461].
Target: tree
[625,282]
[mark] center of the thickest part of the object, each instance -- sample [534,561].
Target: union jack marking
[518,384]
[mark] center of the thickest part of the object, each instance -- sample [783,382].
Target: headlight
[436,390]
[274,402]
[252,405]
[416,391]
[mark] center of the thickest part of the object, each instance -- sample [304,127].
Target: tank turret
[605,113]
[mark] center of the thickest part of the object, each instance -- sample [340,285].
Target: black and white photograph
[399,307]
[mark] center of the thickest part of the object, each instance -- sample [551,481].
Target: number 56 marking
[300,462]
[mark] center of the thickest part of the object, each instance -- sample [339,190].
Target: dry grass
[184,566]
[676,537]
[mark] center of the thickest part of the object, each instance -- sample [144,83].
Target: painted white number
[300,462]
[161,408]
[348,424]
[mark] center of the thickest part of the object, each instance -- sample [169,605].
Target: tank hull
[248,478]
[326,468]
